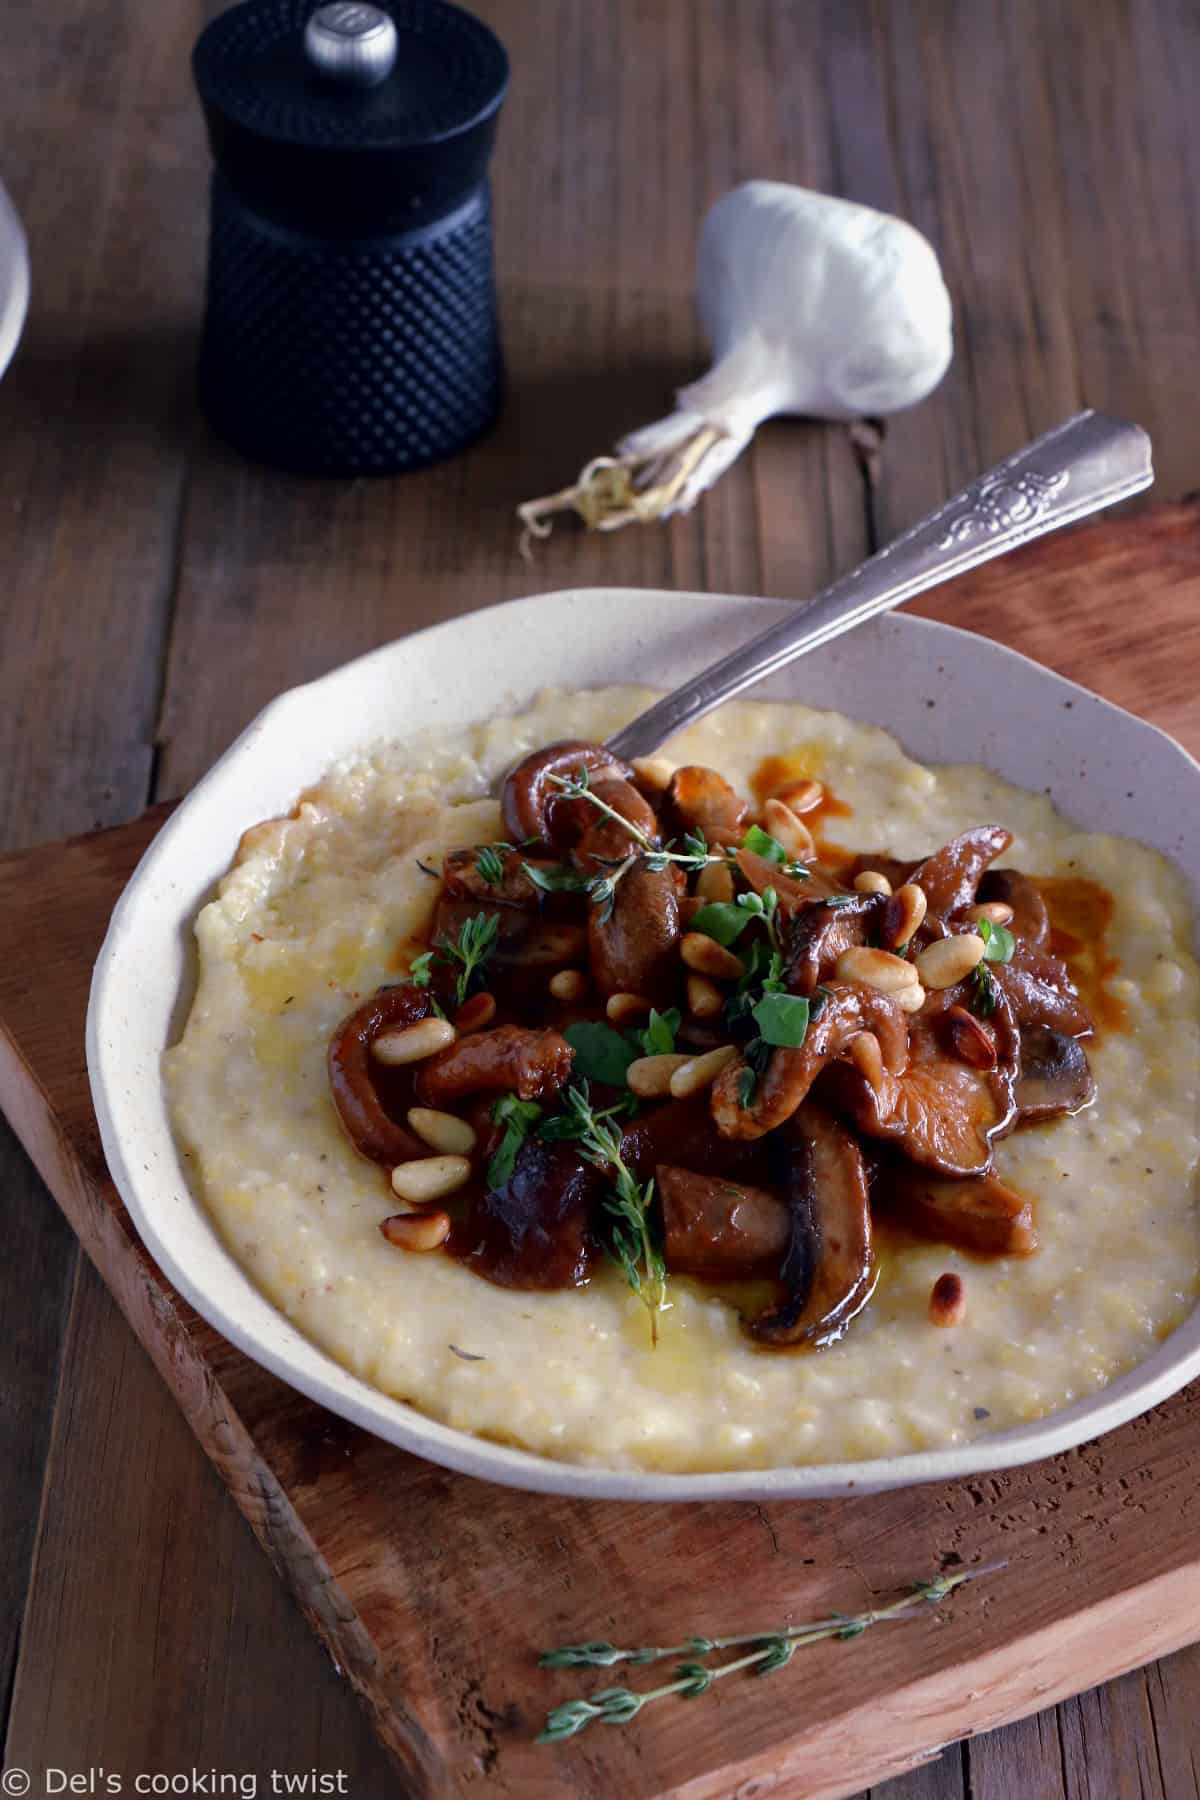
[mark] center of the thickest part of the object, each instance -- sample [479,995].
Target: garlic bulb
[812,305]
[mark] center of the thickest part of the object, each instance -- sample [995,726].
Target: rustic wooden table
[158,590]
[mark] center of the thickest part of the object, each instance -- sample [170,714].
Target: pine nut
[948,960]
[654,772]
[412,1043]
[715,882]
[910,999]
[903,915]
[707,957]
[997,912]
[699,1072]
[948,1301]
[442,1130]
[417,1231]
[568,984]
[802,796]
[429,1178]
[876,968]
[620,1008]
[789,829]
[867,1058]
[872,882]
[704,997]
[475,1013]
[649,1077]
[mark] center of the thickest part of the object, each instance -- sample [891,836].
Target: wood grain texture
[438,1628]
[1052,152]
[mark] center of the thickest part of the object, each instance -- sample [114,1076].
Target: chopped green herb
[419,972]
[763,844]
[756,1055]
[601,1054]
[518,1118]
[723,920]
[998,942]
[658,1038]
[475,943]
[489,861]
[557,881]
[983,997]
[782,1019]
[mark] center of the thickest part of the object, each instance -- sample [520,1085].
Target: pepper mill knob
[352,43]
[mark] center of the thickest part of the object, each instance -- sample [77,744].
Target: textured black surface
[350,359]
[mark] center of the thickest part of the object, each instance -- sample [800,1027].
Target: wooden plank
[438,1630]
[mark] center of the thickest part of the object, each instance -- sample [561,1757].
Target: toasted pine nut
[699,1072]
[948,960]
[707,957]
[876,968]
[997,912]
[442,1130]
[910,999]
[948,1301]
[704,997]
[654,772]
[429,1178]
[872,882]
[622,1007]
[789,829]
[715,882]
[903,915]
[649,1077]
[417,1231]
[412,1043]
[867,1058]
[568,984]
[802,796]
[475,1013]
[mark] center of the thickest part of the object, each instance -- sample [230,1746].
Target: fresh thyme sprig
[489,862]
[998,947]
[470,950]
[601,889]
[768,1651]
[628,1202]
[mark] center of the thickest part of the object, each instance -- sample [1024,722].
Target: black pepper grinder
[350,324]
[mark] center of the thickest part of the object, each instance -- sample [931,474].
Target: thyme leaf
[489,861]
[634,1243]
[518,1118]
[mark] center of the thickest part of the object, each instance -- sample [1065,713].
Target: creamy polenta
[324,906]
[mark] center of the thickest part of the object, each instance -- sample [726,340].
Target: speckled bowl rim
[948,695]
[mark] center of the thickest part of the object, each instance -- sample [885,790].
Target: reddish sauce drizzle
[1081,913]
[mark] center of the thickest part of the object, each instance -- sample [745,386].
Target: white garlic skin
[815,305]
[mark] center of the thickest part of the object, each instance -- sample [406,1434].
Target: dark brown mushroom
[828,1272]
[530,794]
[815,936]
[1055,1075]
[684,1134]
[718,1229]
[1030,920]
[698,799]
[793,892]
[354,1077]
[942,1112]
[533,1064]
[951,876]
[985,1215]
[1040,992]
[636,949]
[535,1231]
[463,880]
[604,841]
[848,1009]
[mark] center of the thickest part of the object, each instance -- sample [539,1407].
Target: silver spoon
[1081,466]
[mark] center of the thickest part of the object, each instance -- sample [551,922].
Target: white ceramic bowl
[992,706]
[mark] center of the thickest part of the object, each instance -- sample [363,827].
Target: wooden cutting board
[434,1593]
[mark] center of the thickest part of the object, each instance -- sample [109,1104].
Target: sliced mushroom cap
[636,949]
[698,799]
[530,794]
[1030,920]
[533,1064]
[355,1080]
[984,1215]
[1040,992]
[942,1112]
[600,841]
[535,1231]
[828,1272]
[815,936]
[720,1229]
[1055,1075]
[848,1009]
[951,876]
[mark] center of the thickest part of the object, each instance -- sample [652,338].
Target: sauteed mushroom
[720,1229]
[952,874]
[353,1076]
[530,795]
[985,1215]
[698,799]
[1055,1077]
[536,1230]
[532,1064]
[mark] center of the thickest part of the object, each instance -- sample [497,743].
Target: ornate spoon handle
[1081,466]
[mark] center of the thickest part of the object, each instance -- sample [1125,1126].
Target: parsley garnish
[518,1118]
[601,1053]
[658,1038]
[782,1020]
[998,947]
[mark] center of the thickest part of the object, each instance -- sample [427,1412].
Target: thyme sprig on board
[767,1651]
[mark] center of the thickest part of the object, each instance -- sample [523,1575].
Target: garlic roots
[813,306]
